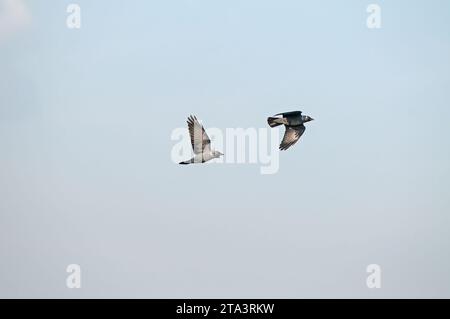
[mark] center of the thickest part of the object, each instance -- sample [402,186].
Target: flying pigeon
[293,121]
[201,144]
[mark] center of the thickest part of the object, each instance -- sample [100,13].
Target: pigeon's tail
[185,162]
[275,121]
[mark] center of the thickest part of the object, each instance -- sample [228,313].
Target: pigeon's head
[306,118]
[217,154]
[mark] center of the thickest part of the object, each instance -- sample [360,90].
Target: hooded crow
[293,121]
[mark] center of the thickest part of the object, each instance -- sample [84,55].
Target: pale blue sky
[86,175]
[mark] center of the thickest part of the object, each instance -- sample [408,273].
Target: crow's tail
[275,121]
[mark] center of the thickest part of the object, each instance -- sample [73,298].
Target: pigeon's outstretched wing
[199,139]
[289,114]
[291,136]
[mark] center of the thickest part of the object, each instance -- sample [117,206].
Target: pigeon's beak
[312,119]
[220,153]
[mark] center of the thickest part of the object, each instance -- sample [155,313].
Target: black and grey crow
[293,121]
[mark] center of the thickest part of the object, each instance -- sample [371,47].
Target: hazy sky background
[86,175]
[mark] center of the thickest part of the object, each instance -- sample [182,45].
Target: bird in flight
[293,121]
[201,144]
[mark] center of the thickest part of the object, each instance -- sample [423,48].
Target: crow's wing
[199,139]
[289,114]
[291,136]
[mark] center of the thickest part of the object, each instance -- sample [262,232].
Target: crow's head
[306,118]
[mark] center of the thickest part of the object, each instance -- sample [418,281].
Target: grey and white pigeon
[201,144]
[293,121]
